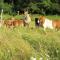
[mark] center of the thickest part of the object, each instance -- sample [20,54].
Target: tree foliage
[34,6]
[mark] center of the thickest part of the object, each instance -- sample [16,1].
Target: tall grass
[22,43]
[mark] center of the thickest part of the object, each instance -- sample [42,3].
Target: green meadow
[22,43]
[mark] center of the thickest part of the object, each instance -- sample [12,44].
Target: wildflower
[33,58]
[41,58]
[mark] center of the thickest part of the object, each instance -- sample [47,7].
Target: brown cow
[18,23]
[8,23]
[56,24]
[13,23]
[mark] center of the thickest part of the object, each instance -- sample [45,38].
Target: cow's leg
[45,29]
[24,23]
[44,26]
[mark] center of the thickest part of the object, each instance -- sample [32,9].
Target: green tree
[34,6]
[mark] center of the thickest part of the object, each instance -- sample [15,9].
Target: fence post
[1,14]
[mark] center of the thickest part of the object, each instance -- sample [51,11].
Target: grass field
[22,43]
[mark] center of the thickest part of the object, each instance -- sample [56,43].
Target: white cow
[27,18]
[46,23]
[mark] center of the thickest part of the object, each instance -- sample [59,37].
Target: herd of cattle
[42,21]
[15,22]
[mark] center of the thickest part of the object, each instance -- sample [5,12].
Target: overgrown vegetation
[22,43]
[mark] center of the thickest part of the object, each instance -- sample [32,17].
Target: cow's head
[42,20]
